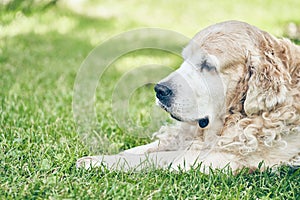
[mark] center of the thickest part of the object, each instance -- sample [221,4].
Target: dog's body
[236,97]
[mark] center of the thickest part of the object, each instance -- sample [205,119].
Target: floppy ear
[267,83]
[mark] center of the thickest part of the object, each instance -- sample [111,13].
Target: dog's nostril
[162,91]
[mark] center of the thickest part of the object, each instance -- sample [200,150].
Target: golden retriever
[236,99]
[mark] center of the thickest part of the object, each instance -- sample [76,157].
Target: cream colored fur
[259,120]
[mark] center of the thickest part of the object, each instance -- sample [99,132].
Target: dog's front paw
[88,162]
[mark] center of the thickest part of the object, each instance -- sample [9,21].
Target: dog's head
[195,91]
[224,65]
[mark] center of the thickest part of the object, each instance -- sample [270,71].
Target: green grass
[41,51]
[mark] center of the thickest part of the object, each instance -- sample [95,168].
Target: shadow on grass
[38,70]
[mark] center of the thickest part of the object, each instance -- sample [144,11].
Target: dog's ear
[268,78]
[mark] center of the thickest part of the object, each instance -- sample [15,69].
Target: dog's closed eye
[205,65]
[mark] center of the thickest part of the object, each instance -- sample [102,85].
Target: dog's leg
[133,155]
[175,160]
[127,161]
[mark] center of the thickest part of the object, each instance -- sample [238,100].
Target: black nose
[162,92]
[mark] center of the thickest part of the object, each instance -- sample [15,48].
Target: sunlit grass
[188,18]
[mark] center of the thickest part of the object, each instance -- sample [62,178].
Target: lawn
[43,46]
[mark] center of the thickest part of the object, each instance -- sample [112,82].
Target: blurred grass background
[42,45]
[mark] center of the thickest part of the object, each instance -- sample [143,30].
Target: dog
[236,102]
